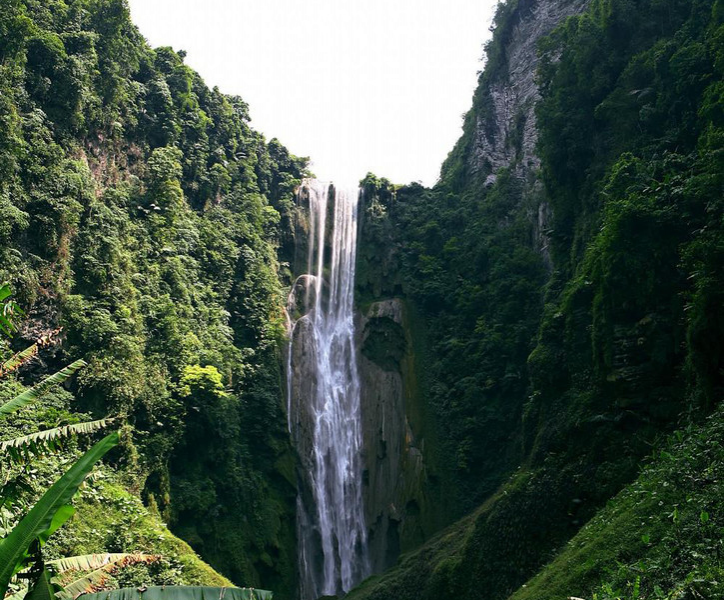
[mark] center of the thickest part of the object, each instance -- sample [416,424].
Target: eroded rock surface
[505,133]
[395,471]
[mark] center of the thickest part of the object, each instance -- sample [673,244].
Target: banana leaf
[35,392]
[91,562]
[43,588]
[180,592]
[49,513]
[96,579]
[18,359]
[100,565]
[19,595]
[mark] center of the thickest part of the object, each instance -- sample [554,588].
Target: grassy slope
[660,538]
[495,544]
[425,567]
[110,519]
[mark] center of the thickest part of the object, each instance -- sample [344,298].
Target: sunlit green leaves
[9,310]
[49,513]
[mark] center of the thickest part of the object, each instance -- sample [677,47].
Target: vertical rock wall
[399,484]
[504,132]
[399,510]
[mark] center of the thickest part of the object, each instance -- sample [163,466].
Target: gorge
[503,387]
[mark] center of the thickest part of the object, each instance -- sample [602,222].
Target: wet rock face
[303,383]
[303,296]
[395,473]
[384,341]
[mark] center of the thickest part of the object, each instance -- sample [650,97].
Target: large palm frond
[180,592]
[49,513]
[90,562]
[47,440]
[104,566]
[18,359]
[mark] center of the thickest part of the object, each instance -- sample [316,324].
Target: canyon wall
[402,500]
[558,268]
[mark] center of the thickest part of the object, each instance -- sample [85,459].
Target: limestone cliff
[500,131]
[402,501]
[505,133]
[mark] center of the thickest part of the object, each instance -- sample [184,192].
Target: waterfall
[324,399]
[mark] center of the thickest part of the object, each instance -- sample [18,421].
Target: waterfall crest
[324,398]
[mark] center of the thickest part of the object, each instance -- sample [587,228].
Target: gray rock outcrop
[395,470]
[505,134]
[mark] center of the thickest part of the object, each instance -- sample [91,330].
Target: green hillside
[564,280]
[142,214]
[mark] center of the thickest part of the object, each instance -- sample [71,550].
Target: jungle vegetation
[572,373]
[140,217]
[559,357]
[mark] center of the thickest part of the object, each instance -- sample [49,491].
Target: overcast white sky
[356,85]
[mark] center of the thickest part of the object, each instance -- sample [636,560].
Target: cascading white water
[327,430]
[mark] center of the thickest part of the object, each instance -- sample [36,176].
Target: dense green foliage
[660,538]
[568,326]
[567,317]
[140,212]
[472,270]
